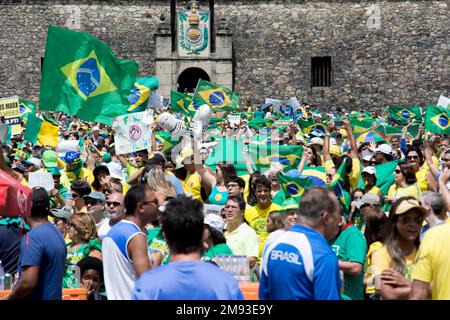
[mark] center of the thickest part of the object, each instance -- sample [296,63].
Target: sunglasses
[412,157]
[114,203]
[397,171]
[410,219]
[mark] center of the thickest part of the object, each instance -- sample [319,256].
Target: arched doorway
[188,79]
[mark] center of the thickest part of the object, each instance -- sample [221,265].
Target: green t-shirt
[220,249]
[279,198]
[157,243]
[259,114]
[351,246]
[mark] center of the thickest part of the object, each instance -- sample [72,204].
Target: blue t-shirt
[299,265]
[187,280]
[45,247]
[176,183]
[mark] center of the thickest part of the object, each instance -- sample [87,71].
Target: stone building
[354,54]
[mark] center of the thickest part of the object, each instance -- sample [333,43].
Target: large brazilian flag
[82,77]
[216,97]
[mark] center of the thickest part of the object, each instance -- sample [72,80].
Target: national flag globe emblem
[134,95]
[88,77]
[443,120]
[406,114]
[292,189]
[216,98]
[22,108]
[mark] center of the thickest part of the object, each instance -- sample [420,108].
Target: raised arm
[248,163]
[326,141]
[206,177]
[445,175]
[428,156]
[351,138]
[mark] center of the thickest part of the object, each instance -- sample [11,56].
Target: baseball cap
[64,212]
[99,168]
[368,198]
[157,158]
[107,157]
[49,159]
[335,150]
[115,170]
[408,205]
[214,221]
[316,140]
[71,156]
[95,128]
[33,162]
[99,196]
[370,170]
[186,152]
[367,155]
[384,148]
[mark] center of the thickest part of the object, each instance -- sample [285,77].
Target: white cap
[96,128]
[370,170]
[215,221]
[384,148]
[115,170]
[35,161]
[367,155]
[316,140]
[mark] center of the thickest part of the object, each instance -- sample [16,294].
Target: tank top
[218,197]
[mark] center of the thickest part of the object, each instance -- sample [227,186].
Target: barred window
[321,72]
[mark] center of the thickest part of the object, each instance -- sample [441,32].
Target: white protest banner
[444,102]
[282,123]
[285,107]
[3,131]
[234,119]
[41,179]
[9,109]
[156,101]
[212,208]
[133,132]
[66,146]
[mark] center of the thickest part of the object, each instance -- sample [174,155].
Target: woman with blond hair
[83,242]
[157,181]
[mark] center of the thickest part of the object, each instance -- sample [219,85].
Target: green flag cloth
[309,126]
[82,77]
[404,113]
[362,125]
[260,123]
[293,187]
[263,155]
[228,150]
[140,93]
[43,131]
[437,120]
[179,102]
[217,97]
[384,175]
[164,138]
[26,107]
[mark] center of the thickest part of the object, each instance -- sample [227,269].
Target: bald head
[115,207]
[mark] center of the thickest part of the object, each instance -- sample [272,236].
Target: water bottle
[2,277]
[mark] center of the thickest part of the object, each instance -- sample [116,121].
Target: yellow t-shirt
[381,260]
[398,192]
[353,177]
[421,177]
[192,184]
[433,261]
[374,190]
[85,174]
[246,178]
[370,289]
[257,219]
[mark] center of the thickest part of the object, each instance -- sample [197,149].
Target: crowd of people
[136,226]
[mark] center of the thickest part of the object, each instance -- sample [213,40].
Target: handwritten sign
[9,109]
[41,179]
[444,102]
[133,132]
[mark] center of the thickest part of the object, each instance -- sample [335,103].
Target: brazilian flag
[437,120]
[263,155]
[405,113]
[309,126]
[164,138]
[293,187]
[217,97]
[180,102]
[25,108]
[362,125]
[140,93]
[82,77]
[260,123]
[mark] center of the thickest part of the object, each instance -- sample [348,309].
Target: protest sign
[234,119]
[9,109]
[444,102]
[66,146]
[285,107]
[133,132]
[282,123]
[41,179]
[212,208]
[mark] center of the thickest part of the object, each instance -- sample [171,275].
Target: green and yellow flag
[293,187]
[164,138]
[437,120]
[140,93]
[217,97]
[42,132]
[309,126]
[260,123]
[82,77]
[180,102]
[404,113]
[26,107]
[263,155]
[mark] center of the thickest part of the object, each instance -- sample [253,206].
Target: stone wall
[383,52]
